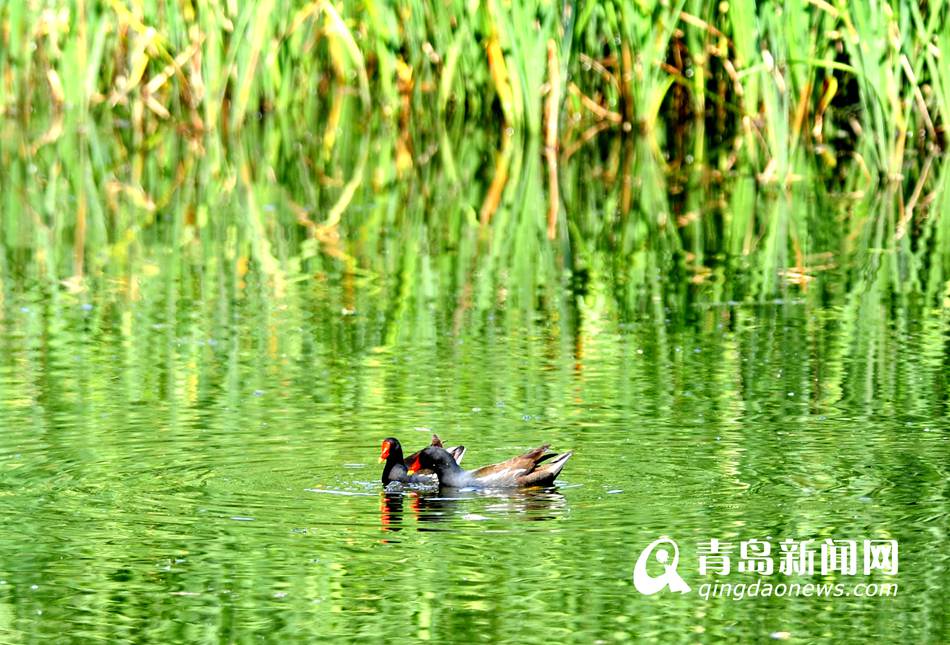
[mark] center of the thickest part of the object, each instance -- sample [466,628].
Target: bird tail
[547,473]
[457,453]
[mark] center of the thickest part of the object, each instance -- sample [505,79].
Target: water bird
[395,469]
[537,467]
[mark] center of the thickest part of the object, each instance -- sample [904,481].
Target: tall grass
[768,79]
[693,150]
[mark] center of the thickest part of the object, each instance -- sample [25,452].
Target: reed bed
[765,82]
[687,151]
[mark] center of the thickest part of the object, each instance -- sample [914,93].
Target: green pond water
[191,419]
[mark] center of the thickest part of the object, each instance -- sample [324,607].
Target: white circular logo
[649,585]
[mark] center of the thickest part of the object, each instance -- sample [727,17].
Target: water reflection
[453,505]
[186,428]
[390,510]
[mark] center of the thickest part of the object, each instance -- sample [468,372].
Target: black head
[391,453]
[433,458]
[391,450]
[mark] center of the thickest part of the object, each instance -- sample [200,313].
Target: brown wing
[512,469]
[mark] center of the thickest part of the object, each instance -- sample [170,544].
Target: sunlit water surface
[191,423]
[173,478]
